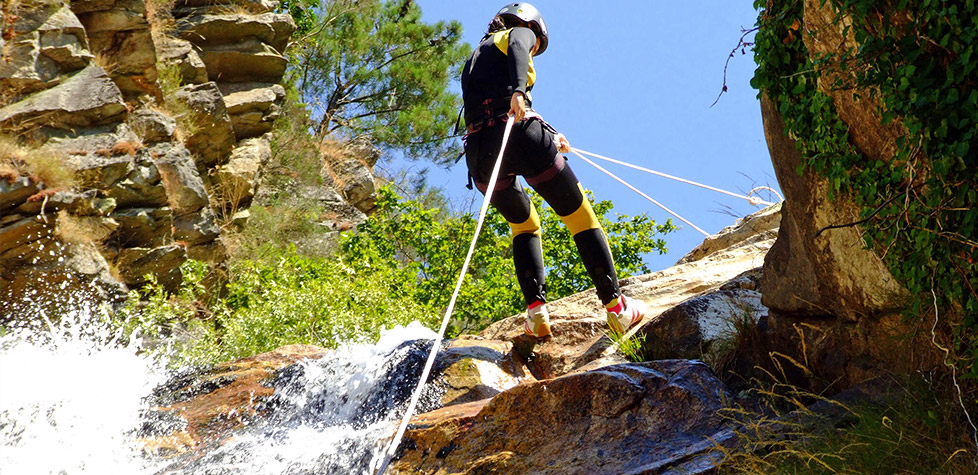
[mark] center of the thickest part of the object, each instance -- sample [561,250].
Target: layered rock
[240,47]
[81,80]
[44,42]
[119,32]
[87,98]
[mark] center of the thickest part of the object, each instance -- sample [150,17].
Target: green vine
[919,59]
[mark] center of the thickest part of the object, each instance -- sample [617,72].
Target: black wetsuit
[500,66]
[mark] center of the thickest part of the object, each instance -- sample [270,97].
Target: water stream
[73,400]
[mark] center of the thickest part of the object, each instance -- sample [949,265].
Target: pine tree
[373,67]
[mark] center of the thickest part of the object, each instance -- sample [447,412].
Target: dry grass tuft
[43,167]
[107,62]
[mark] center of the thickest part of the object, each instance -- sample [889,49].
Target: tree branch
[861,221]
[741,44]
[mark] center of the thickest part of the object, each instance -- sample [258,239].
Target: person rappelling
[496,84]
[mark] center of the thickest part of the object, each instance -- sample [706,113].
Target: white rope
[623,182]
[451,305]
[751,199]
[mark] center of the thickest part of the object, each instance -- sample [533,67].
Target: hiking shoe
[624,312]
[537,320]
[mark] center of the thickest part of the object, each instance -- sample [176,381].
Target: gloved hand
[517,106]
[563,146]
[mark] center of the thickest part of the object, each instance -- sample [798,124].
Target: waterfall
[74,399]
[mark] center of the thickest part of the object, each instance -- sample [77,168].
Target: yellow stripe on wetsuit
[582,218]
[530,226]
[501,39]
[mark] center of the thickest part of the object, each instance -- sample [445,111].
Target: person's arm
[521,42]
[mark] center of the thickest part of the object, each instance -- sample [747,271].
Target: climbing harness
[750,199]
[451,305]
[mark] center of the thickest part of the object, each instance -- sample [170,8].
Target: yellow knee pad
[583,218]
[530,226]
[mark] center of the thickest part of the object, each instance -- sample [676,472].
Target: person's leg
[556,182]
[515,206]
[559,186]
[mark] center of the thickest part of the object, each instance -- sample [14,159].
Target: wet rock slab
[630,418]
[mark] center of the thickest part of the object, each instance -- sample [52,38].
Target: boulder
[253,107]
[213,252]
[120,33]
[196,408]
[472,369]
[185,56]
[184,188]
[196,228]
[88,98]
[656,417]
[142,227]
[101,171]
[831,274]
[208,132]
[208,30]
[163,263]
[354,179]
[43,42]
[81,144]
[234,184]
[142,187]
[152,126]
[701,324]
[249,60]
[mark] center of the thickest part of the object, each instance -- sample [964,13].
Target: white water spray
[72,396]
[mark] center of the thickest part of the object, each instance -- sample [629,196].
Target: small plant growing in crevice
[632,347]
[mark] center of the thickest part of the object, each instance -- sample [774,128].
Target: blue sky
[634,80]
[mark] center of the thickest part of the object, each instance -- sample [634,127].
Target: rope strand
[451,306]
[751,199]
[623,182]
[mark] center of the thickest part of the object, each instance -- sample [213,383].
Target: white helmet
[531,16]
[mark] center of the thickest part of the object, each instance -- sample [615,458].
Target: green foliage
[917,59]
[375,68]
[399,266]
[282,300]
[632,347]
[404,236]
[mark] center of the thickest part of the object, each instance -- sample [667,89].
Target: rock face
[828,275]
[826,292]
[578,321]
[633,418]
[80,79]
